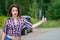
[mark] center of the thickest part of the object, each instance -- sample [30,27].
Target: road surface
[43,34]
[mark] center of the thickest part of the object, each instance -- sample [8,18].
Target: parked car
[26,29]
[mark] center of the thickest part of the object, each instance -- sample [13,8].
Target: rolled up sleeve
[28,23]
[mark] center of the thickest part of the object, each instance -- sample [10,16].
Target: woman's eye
[16,10]
[13,10]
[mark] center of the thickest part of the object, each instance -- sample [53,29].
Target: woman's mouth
[14,14]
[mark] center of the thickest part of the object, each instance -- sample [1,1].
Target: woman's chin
[15,16]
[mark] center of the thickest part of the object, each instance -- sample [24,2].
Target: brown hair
[9,11]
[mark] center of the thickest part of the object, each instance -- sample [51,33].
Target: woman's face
[14,11]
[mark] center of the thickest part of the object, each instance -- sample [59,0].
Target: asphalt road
[43,34]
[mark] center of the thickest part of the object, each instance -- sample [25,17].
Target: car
[26,29]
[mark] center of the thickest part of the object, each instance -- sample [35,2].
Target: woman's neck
[14,17]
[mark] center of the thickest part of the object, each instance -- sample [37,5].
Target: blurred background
[35,9]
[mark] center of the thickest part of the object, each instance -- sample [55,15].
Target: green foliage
[2,6]
[54,10]
[49,8]
[33,9]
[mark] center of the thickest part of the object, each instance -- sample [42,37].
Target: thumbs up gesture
[43,19]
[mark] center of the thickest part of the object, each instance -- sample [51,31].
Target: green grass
[2,19]
[50,24]
[34,20]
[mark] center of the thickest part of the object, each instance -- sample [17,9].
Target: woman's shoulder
[22,19]
[7,19]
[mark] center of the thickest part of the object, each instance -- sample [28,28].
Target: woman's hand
[43,19]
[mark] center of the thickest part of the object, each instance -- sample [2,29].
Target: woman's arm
[35,25]
[39,23]
[4,29]
[3,36]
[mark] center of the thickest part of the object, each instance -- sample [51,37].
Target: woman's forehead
[14,8]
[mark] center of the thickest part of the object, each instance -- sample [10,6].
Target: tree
[33,9]
[3,7]
[54,10]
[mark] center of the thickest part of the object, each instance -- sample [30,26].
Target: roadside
[37,32]
[43,34]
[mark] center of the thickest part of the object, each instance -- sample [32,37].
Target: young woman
[13,25]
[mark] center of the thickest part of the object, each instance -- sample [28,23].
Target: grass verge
[48,24]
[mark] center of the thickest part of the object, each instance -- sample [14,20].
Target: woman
[13,25]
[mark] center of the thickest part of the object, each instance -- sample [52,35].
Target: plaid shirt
[11,29]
